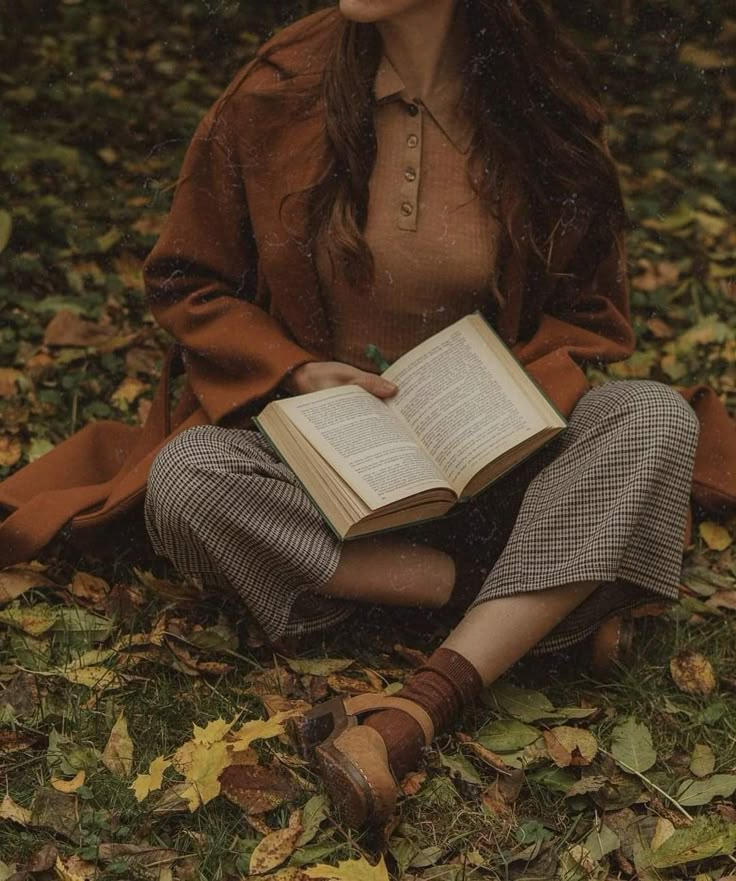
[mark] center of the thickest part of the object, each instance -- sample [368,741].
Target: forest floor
[133,737]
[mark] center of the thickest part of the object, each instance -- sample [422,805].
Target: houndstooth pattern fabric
[606,501]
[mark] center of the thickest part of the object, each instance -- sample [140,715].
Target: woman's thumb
[382,388]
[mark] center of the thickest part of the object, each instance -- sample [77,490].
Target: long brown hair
[538,147]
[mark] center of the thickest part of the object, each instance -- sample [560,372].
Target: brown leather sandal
[611,645]
[351,758]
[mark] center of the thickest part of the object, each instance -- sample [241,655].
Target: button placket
[411,170]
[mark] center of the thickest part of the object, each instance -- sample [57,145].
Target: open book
[465,413]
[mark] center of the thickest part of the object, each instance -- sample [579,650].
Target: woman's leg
[393,572]
[608,509]
[225,510]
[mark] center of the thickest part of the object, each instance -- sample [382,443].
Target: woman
[455,133]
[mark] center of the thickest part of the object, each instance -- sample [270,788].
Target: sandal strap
[368,703]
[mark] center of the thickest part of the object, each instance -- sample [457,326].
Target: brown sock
[443,687]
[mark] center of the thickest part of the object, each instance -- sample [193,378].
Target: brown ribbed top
[434,246]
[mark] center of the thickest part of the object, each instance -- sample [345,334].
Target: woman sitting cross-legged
[444,138]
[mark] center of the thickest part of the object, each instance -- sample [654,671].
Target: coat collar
[441,105]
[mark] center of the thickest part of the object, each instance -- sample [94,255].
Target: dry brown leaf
[414,657]
[90,589]
[117,756]
[349,685]
[74,868]
[275,703]
[9,378]
[43,859]
[494,801]
[14,741]
[68,329]
[693,673]
[10,450]
[276,847]
[143,856]
[723,599]
[16,580]
[570,746]
[412,783]
[129,389]
[257,789]
[484,754]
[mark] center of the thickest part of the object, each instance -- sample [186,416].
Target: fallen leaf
[89,589]
[414,657]
[207,762]
[6,227]
[570,746]
[319,667]
[72,785]
[10,810]
[460,767]
[9,380]
[127,392]
[602,841]
[257,789]
[18,579]
[277,847]
[662,832]
[43,859]
[693,673]
[350,870]
[701,792]
[117,756]
[703,760]
[143,856]
[259,729]
[632,745]
[10,450]
[151,781]
[412,783]
[213,731]
[707,837]
[486,755]
[34,620]
[96,678]
[74,868]
[67,328]
[57,811]
[506,735]
[723,599]
[314,813]
[717,537]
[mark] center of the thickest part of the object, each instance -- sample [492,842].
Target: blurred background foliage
[100,97]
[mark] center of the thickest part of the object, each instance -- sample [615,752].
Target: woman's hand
[317,375]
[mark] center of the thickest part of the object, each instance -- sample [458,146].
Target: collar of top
[441,106]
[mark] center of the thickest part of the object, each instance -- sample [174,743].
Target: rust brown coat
[233,281]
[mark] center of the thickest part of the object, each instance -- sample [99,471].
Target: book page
[360,438]
[460,401]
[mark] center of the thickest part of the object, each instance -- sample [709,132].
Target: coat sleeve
[587,319]
[201,279]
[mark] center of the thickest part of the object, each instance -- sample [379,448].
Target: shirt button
[412,109]
[412,141]
[406,208]
[410,174]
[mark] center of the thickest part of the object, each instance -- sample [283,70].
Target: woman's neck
[426,45]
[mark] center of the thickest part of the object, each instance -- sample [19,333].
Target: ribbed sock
[444,686]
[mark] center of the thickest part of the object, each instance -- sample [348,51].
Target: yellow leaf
[75,869]
[10,810]
[693,673]
[208,761]
[662,832]
[272,850]
[72,785]
[350,870]
[570,746]
[18,579]
[147,783]
[10,450]
[260,729]
[128,390]
[717,537]
[98,678]
[117,756]
[213,732]
[34,620]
